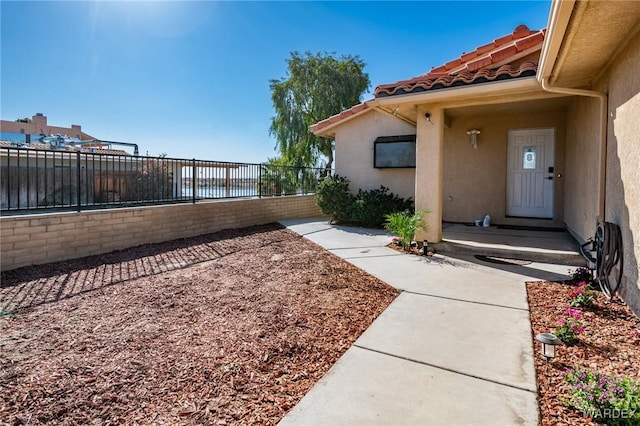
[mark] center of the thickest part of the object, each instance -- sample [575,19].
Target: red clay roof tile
[440,81]
[496,52]
[521,30]
[466,57]
[470,68]
[452,64]
[475,65]
[529,41]
[340,116]
[485,48]
[503,54]
[503,40]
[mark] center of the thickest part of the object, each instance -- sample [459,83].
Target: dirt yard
[228,328]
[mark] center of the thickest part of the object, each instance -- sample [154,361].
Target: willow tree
[316,87]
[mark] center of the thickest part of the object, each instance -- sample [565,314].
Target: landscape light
[549,342]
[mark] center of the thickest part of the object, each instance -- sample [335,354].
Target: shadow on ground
[36,285]
[531,270]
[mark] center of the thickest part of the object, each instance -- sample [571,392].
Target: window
[529,157]
[394,152]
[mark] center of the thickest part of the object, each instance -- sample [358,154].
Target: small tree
[317,86]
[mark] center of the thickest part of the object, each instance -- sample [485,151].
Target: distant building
[36,133]
[25,130]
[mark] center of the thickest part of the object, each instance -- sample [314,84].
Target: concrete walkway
[454,348]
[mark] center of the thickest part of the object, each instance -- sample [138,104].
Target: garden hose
[608,247]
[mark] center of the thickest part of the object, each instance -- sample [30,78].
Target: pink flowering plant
[569,326]
[582,296]
[606,399]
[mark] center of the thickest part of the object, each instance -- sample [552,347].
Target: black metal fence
[32,180]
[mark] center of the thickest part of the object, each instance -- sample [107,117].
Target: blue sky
[191,79]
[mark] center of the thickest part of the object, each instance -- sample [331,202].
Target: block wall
[43,238]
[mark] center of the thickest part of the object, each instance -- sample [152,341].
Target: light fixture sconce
[427,117]
[473,134]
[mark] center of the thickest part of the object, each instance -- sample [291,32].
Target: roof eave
[522,84]
[559,18]
[328,131]
[512,86]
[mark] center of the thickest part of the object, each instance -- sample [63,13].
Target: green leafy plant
[569,326]
[371,207]
[334,198]
[368,208]
[605,398]
[404,225]
[582,296]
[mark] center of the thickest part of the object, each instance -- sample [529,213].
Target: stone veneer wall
[36,239]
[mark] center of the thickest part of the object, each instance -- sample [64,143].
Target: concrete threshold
[558,257]
[541,246]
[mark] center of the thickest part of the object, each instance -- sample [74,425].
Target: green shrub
[367,208]
[334,199]
[404,225]
[604,398]
[371,207]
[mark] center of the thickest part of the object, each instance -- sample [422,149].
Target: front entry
[530,173]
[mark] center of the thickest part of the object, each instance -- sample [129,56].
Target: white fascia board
[559,17]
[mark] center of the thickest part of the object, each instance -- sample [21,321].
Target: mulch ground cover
[228,328]
[610,343]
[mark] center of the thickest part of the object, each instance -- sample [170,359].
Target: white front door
[530,173]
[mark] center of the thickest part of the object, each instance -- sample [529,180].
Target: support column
[429,164]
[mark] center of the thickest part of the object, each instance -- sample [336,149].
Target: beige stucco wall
[622,203]
[36,239]
[581,172]
[475,179]
[354,154]
[622,194]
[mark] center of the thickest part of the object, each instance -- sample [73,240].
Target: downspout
[602,153]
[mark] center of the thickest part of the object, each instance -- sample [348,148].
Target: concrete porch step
[537,246]
[546,256]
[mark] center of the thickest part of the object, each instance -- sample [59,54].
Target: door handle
[550,178]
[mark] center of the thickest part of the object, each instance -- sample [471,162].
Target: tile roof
[355,110]
[487,63]
[502,48]
[480,66]
[104,151]
[441,81]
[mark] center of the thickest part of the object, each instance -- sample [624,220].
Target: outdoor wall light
[473,134]
[549,342]
[427,117]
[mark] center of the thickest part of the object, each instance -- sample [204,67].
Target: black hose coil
[608,247]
